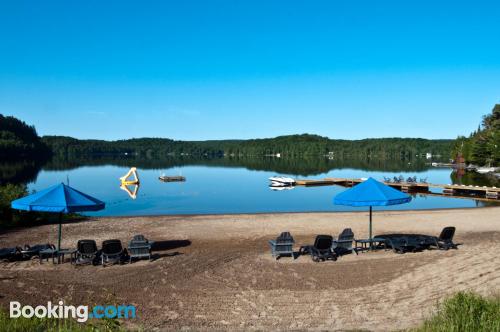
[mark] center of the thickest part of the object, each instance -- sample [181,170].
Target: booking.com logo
[80,313]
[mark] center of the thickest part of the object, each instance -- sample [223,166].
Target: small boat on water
[280,181]
[485,170]
[441,164]
[166,178]
[278,184]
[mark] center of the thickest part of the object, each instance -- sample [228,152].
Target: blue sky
[243,69]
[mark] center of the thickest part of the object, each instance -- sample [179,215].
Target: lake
[238,186]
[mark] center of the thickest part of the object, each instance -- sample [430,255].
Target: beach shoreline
[361,210]
[215,272]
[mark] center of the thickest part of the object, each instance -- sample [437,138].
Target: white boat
[282,180]
[485,170]
[281,188]
[278,184]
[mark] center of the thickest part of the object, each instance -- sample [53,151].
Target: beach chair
[321,250]
[343,244]
[283,245]
[401,244]
[10,254]
[425,241]
[86,252]
[111,252]
[38,250]
[139,247]
[445,239]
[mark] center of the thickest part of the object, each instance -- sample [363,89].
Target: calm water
[235,189]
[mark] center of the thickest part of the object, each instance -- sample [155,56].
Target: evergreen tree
[17,139]
[483,146]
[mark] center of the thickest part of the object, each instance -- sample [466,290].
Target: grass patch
[20,324]
[464,312]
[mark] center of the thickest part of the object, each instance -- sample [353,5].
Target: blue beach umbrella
[371,193]
[60,199]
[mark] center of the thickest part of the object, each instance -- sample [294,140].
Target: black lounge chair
[139,247]
[111,252]
[10,254]
[425,241]
[445,239]
[283,245]
[402,244]
[321,250]
[343,244]
[35,251]
[86,252]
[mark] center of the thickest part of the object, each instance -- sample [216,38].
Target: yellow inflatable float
[126,181]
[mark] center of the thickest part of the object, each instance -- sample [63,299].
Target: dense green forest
[18,140]
[482,147]
[286,146]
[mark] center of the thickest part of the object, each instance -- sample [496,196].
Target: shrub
[465,312]
[21,324]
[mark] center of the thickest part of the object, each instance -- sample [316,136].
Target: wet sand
[216,272]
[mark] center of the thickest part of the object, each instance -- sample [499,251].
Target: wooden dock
[454,190]
[324,182]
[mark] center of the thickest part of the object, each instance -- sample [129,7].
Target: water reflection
[131,190]
[228,184]
[224,190]
[274,188]
[27,171]
[473,178]
[295,166]
[19,172]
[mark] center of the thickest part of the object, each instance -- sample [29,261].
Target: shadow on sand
[168,245]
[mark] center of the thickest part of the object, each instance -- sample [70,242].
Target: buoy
[125,179]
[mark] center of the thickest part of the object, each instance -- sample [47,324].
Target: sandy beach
[216,273]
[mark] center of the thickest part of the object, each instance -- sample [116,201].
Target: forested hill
[17,139]
[287,146]
[482,147]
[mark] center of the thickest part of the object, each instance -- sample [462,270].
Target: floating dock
[453,190]
[165,178]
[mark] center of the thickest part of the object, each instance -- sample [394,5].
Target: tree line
[285,146]
[481,147]
[17,139]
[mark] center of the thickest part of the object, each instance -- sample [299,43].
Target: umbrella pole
[60,231]
[370,231]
